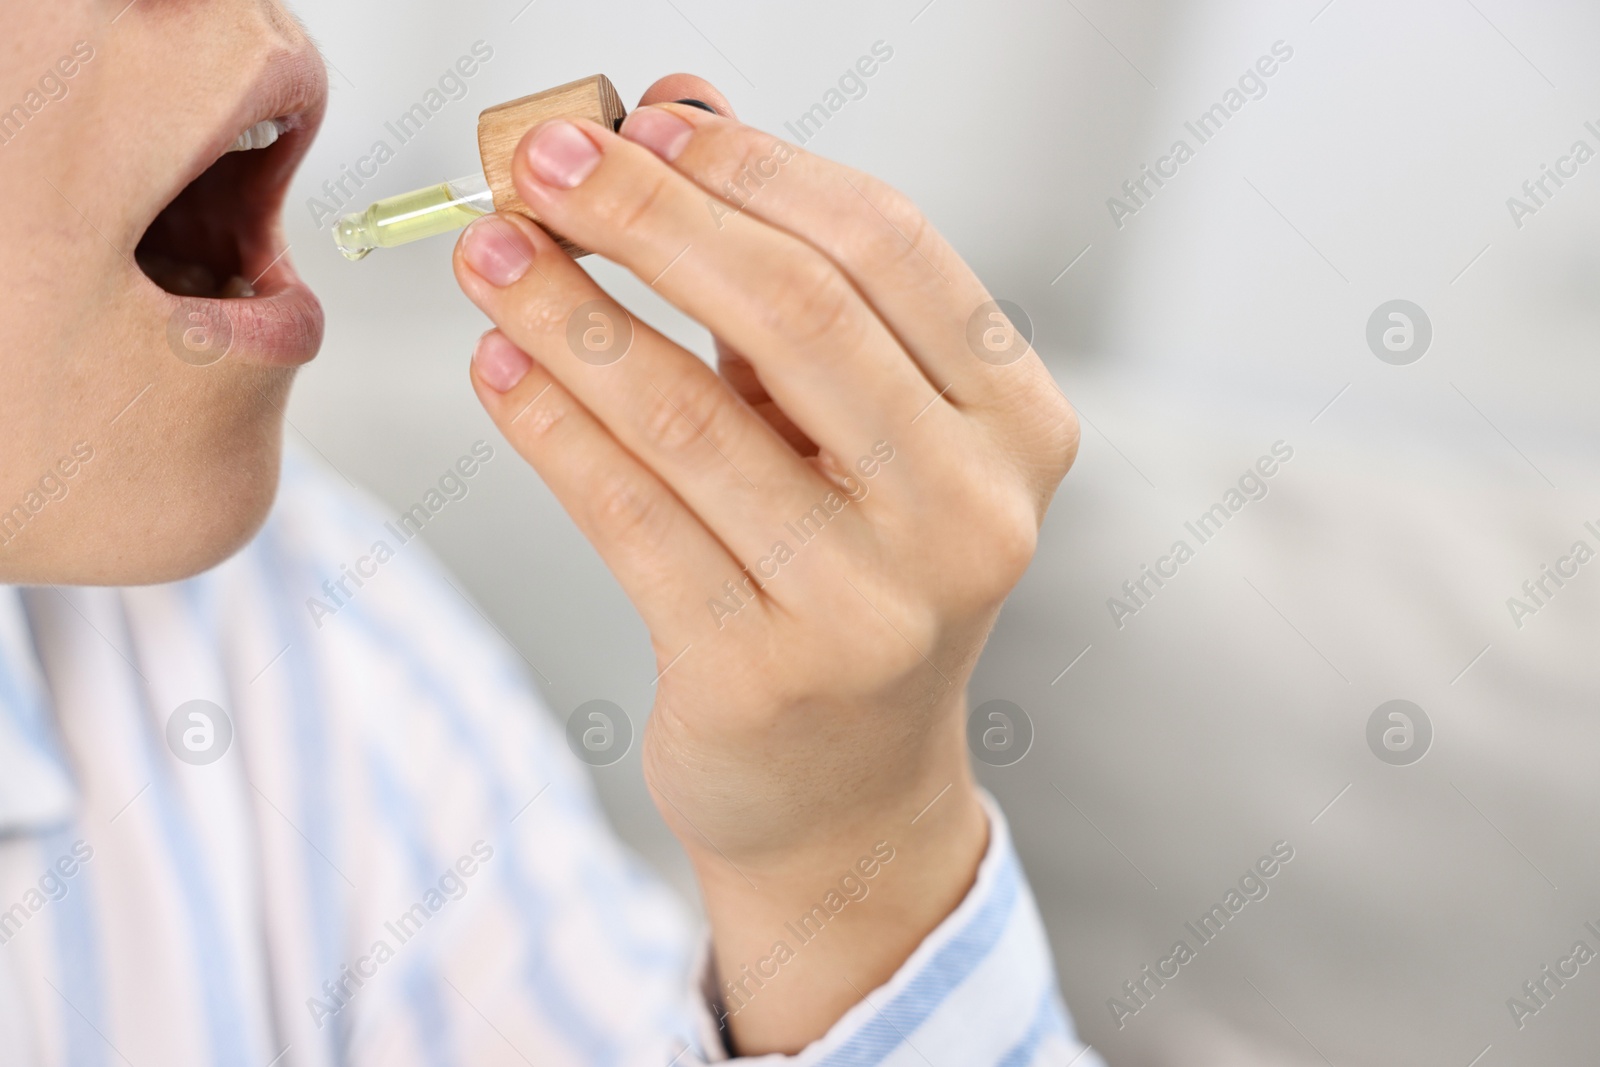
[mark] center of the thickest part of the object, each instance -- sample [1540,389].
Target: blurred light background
[1229,313]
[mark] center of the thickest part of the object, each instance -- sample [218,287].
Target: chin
[225,510]
[160,511]
[219,500]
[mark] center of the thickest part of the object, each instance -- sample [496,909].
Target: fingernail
[701,104]
[662,132]
[500,363]
[496,250]
[561,155]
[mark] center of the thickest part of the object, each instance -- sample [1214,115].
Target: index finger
[921,288]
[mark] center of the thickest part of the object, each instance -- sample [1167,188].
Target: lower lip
[283,329]
[280,327]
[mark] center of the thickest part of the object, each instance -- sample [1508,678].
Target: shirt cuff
[980,989]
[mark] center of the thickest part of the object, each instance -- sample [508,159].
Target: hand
[819,538]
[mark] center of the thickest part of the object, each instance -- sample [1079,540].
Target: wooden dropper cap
[501,128]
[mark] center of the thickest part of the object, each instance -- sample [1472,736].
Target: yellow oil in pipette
[412,216]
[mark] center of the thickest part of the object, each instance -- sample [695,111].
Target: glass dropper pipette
[412,216]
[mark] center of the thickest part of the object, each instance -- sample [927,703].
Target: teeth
[237,289]
[261,135]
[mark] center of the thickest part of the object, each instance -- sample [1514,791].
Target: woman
[240,832]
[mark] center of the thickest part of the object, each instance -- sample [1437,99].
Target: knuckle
[813,305]
[541,317]
[665,427]
[1051,445]
[626,214]
[540,421]
[1068,435]
[901,211]
[628,512]
[1011,543]
[1041,433]
[717,414]
[742,161]
[699,409]
[895,229]
[1003,525]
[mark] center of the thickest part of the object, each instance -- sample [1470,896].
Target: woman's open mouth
[216,250]
[206,241]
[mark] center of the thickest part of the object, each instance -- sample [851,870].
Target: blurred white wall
[1222,317]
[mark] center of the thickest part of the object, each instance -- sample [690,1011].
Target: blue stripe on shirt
[24,703]
[420,976]
[608,892]
[950,966]
[1047,1020]
[315,804]
[77,937]
[563,1010]
[216,972]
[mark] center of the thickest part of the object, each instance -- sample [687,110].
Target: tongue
[191,279]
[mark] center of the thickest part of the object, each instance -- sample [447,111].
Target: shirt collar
[36,788]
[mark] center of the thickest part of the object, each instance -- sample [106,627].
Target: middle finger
[819,348]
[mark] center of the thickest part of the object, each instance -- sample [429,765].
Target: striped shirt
[370,844]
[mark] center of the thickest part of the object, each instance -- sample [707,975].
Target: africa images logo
[199,732]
